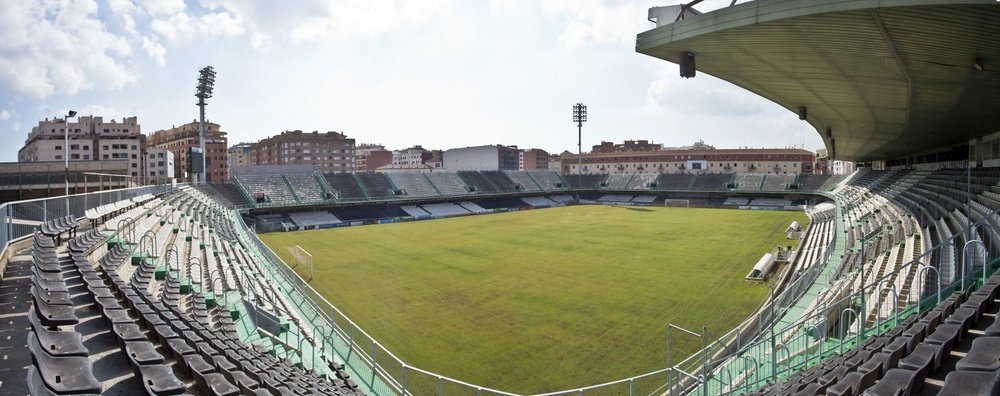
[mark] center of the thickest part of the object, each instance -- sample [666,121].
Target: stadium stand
[444,209]
[500,180]
[539,202]
[448,183]
[346,185]
[376,185]
[642,181]
[282,184]
[777,182]
[780,202]
[618,181]
[523,181]
[644,199]
[548,180]
[226,193]
[274,188]
[736,201]
[414,210]
[307,220]
[748,182]
[615,198]
[472,207]
[585,181]
[711,181]
[414,185]
[674,182]
[479,182]
[562,199]
[134,325]
[307,187]
[807,182]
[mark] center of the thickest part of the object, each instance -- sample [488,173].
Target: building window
[58,147]
[86,156]
[74,156]
[58,156]
[74,147]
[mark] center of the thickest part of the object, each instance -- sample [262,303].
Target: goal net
[677,202]
[301,257]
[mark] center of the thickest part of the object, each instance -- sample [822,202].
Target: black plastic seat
[178,348]
[48,276]
[215,384]
[164,333]
[159,379]
[54,315]
[143,353]
[128,332]
[983,356]
[851,384]
[63,375]
[964,383]
[945,334]
[51,298]
[117,316]
[193,363]
[964,316]
[49,286]
[896,382]
[58,343]
[925,359]
[244,382]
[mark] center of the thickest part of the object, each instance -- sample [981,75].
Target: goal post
[682,203]
[302,257]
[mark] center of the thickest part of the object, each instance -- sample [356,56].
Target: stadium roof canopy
[888,78]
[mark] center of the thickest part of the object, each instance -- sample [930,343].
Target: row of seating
[158,312]
[900,361]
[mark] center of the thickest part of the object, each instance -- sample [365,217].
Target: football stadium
[700,275]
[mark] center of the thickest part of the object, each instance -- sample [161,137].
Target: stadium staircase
[361,185]
[290,189]
[429,181]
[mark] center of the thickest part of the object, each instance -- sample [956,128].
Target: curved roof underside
[888,78]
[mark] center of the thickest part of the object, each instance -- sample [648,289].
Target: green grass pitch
[544,300]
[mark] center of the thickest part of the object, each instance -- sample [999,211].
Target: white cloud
[4,115]
[221,24]
[51,47]
[505,7]
[122,7]
[598,22]
[163,7]
[108,112]
[260,41]
[155,50]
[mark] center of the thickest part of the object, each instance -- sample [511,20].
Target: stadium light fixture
[69,115]
[206,84]
[579,117]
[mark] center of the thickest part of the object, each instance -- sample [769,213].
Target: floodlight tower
[206,83]
[579,117]
[69,115]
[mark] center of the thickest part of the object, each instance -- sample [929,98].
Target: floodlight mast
[206,84]
[579,117]
[69,115]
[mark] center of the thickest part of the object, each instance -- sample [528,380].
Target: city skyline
[441,75]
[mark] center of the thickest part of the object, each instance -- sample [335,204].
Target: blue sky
[441,73]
